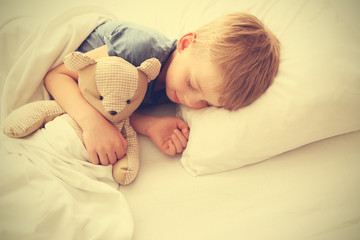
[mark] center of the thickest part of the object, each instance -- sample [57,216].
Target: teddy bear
[111,85]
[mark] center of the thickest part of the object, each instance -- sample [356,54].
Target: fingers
[179,138]
[109,154]
[179,141]
[185,131]
[112,158]
[182,125]
[171,149]
[123,146]
[103,159]
[121,149]
[93,157]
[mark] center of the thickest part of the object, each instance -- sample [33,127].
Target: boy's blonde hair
[246,53]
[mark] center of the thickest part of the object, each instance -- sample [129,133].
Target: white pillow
[316,93]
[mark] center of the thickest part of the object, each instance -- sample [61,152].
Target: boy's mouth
[176,98]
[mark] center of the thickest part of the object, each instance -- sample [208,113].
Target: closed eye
[190,85]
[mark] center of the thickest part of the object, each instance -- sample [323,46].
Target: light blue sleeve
[136,43]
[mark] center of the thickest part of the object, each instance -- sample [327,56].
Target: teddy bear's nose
[113,112]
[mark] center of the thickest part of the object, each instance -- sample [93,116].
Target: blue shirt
[135,44]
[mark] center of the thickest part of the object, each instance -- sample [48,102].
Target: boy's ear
[185,41]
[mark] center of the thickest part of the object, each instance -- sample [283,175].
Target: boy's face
[192,82]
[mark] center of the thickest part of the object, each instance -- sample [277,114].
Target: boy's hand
[169,134]
[103,141]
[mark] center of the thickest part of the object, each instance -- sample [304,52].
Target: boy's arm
[102,140]
[169,134]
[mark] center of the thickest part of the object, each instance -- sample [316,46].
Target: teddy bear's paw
[77,60]
[123,173]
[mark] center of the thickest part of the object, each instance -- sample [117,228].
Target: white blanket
[48,190]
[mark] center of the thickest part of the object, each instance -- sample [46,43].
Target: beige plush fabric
[75,61]
[150,68]
[30,117]
[111,85]
[115,87]
[131,168]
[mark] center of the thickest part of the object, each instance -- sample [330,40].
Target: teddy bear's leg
[30,117]
[126,169]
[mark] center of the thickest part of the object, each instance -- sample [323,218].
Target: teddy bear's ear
[151,68]
[77,60]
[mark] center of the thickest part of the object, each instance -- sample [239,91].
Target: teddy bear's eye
[101,97]
[128,101]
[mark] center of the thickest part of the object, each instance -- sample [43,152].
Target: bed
[286,167]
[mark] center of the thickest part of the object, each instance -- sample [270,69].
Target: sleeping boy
[226,63]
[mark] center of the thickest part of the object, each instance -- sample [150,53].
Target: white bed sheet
[308,193]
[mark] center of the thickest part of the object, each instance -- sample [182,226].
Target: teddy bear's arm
[30,117]
[77,60]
